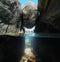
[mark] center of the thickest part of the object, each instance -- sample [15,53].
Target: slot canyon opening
[43,47]
[29,10]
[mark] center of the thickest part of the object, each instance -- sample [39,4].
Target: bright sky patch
[23,1]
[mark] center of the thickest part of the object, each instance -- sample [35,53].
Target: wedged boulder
[29,14]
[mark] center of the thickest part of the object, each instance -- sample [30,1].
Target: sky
[23,1]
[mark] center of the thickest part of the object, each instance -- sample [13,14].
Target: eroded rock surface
[9,17]
[29,14]
[49,20]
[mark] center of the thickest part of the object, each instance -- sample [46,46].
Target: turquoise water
[43,35]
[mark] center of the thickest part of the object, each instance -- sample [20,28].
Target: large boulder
[29,14]
[10,17]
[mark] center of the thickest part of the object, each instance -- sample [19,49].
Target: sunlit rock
[28,56]
[29,30]
[29,14]
[10,17]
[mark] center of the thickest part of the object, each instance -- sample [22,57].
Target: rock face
[9,17]
[49,19]
[29,14]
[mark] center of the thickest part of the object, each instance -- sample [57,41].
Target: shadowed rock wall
[49,19]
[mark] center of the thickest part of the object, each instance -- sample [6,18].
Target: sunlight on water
[29,31]
[28,53]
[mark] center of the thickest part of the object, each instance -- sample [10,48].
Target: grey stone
[29,14]
[9,17]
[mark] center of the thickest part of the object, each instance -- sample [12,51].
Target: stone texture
[9,17]
[49,20]
[29,14]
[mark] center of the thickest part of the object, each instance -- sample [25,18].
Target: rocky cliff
[9,17]
[49,20]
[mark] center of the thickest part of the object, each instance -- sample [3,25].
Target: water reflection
[44,46]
